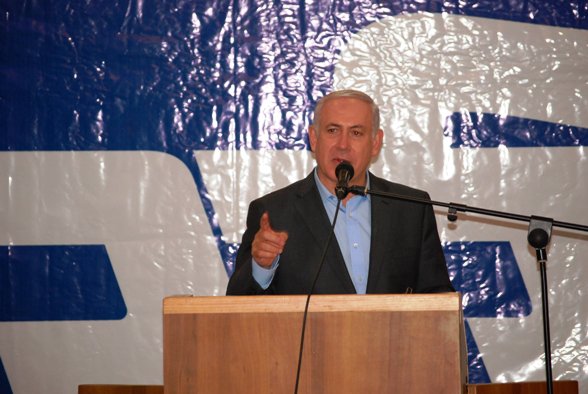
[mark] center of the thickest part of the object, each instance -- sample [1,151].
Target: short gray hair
[348,93]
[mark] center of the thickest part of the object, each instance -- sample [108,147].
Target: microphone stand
[538,237]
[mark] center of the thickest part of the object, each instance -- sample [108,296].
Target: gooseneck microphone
[349,170]
[344,173]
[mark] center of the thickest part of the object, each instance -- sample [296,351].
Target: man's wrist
[264,276]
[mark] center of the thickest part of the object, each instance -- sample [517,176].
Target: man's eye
[331,130]
[356,133]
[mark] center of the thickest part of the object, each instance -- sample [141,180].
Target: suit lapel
[312,210]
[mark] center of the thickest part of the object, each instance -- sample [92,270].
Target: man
[380,245]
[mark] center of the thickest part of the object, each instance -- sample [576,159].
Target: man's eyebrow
[332,125]
[355,126]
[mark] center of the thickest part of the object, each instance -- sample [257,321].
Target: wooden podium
[354,344]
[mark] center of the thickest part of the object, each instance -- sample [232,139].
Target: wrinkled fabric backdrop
[134,134]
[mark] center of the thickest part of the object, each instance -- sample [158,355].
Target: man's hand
[267,244]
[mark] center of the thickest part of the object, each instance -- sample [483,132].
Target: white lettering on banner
[145,208]
[421,68]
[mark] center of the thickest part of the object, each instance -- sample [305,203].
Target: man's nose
[343,140]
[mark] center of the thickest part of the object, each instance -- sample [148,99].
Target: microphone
[344,173]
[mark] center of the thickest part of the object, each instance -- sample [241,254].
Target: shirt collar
[326,194]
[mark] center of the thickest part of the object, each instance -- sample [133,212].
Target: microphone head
[344,173]
[344,169]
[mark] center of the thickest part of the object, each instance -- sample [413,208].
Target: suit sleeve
[433,275]
[242,281]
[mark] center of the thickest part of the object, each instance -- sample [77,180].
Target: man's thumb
[264,222]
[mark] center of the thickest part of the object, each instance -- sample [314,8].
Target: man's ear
[312,137]
[377,142]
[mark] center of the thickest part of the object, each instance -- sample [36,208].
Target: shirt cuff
[264,276]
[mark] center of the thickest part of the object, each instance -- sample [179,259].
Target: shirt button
[355,245]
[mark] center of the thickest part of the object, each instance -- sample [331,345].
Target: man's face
[345,133]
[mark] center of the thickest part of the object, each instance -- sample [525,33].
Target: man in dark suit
[380,245]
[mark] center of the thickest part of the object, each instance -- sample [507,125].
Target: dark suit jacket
[405,251]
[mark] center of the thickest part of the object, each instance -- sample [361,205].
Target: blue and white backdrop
[134,134]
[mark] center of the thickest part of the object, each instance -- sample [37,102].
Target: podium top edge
[318,303]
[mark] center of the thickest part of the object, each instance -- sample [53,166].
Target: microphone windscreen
[344,166]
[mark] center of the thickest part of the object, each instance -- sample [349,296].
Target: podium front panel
[354,344]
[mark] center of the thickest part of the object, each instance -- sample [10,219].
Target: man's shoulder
[295,189]
[383,185]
